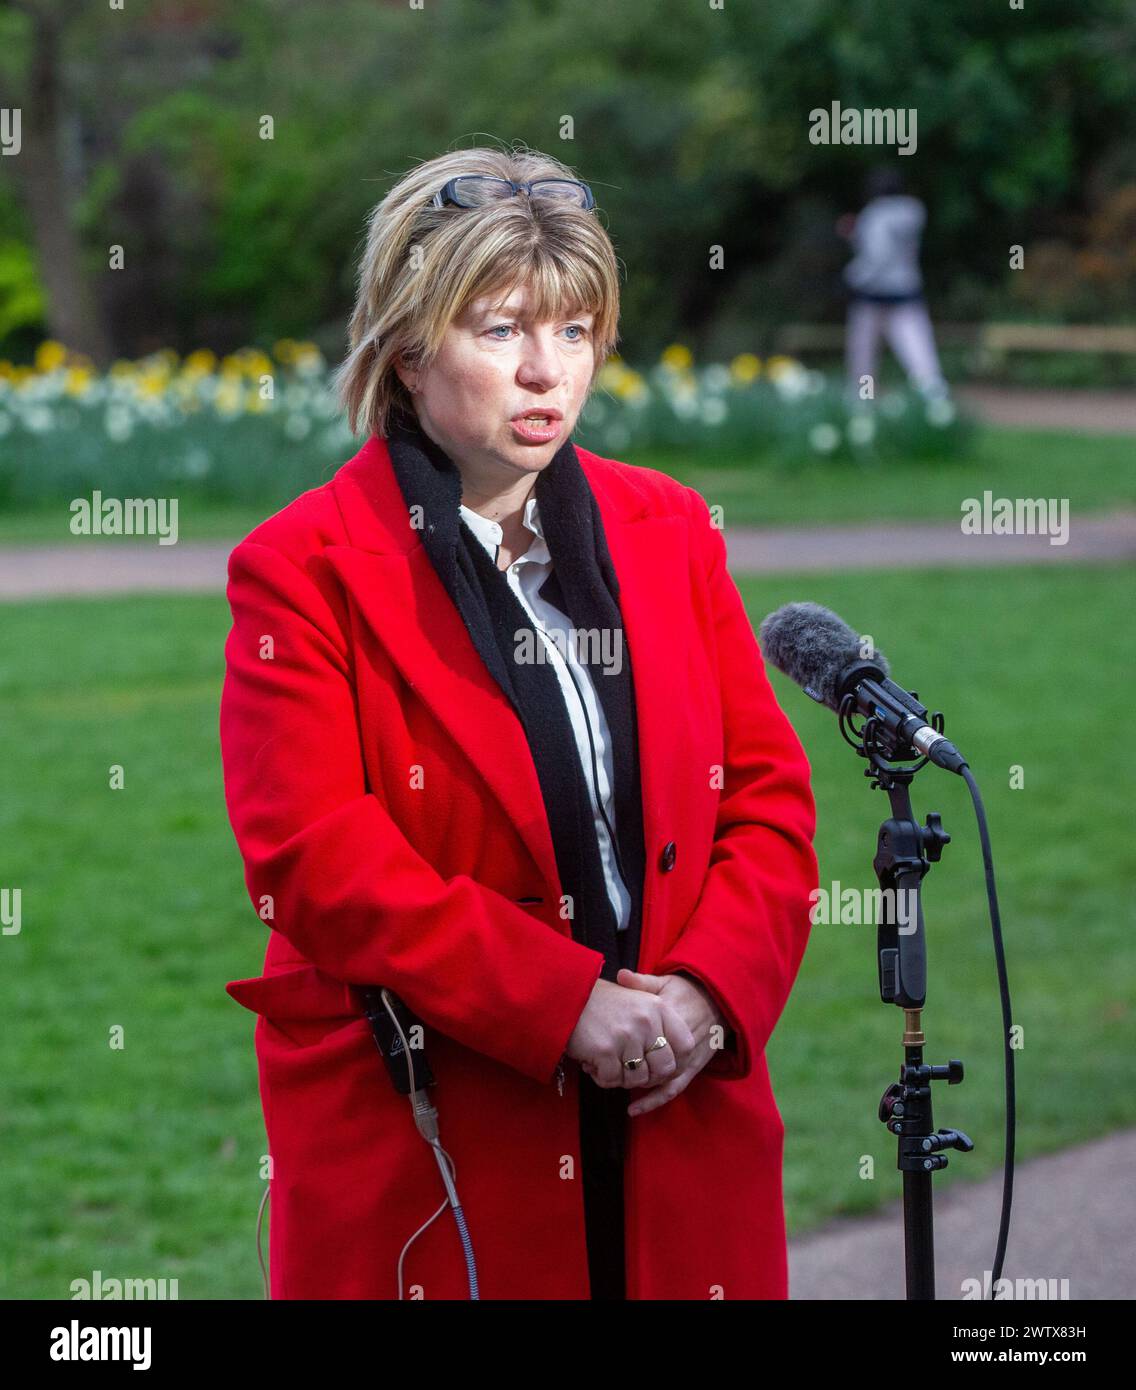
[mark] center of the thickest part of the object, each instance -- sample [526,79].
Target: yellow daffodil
[619,380]
[306,356]
[678,357]
[78,381]
[228,398]
[50,355]
[745,368]
[778,366]
[258,363]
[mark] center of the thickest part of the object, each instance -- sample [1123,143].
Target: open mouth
[537,427]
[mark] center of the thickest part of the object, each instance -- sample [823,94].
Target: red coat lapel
[387,572]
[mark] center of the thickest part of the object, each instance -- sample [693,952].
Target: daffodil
[307,359]
[257,363]
[228,397]
[632,387]
[78,381]
[152,384]
[782,366]
[678,357]
[745,368]
[50,355]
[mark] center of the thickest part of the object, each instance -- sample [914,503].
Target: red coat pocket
[301,1001]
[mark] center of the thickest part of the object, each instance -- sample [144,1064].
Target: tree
[42,98]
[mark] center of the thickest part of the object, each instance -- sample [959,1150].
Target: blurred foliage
[1071,281]
[690,122]
[21,294]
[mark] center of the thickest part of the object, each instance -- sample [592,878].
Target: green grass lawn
[144,1160]
[1096,474]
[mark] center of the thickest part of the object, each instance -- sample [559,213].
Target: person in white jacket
[885,288]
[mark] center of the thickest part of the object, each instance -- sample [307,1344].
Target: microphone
[818,650]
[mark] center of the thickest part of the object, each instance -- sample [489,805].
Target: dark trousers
[603,1121]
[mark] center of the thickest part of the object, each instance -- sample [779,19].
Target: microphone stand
[905,851]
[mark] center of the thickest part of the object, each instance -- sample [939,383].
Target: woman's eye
[578,328]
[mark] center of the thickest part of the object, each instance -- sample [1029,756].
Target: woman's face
[495,365]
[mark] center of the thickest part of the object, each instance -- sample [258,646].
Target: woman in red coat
[508,778]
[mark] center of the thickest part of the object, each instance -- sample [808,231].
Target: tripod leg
[919,1235]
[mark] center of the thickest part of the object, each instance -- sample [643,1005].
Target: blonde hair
[423,266]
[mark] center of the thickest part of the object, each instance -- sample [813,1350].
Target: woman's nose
[540,360]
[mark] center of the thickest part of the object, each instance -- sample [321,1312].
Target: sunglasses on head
[476,190]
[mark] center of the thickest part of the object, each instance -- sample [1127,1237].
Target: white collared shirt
[589,725]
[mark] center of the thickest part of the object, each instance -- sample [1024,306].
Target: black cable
[1004,991]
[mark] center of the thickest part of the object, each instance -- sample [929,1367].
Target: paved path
[120,566]
[915,545]
[1073,1217]
[1085,412]
[112,567]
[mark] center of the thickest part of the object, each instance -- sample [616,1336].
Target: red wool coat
[389,816]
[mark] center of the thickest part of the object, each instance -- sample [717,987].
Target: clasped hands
[621,1020]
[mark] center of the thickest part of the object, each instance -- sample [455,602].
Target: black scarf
[583,585]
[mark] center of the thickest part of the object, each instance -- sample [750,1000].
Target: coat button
[667,858]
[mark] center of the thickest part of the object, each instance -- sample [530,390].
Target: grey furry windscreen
[813,647]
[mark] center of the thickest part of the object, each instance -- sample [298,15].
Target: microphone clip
[888,713]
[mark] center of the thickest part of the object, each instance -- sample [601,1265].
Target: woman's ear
[405,374]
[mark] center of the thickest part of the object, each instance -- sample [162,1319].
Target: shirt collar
[489,532]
